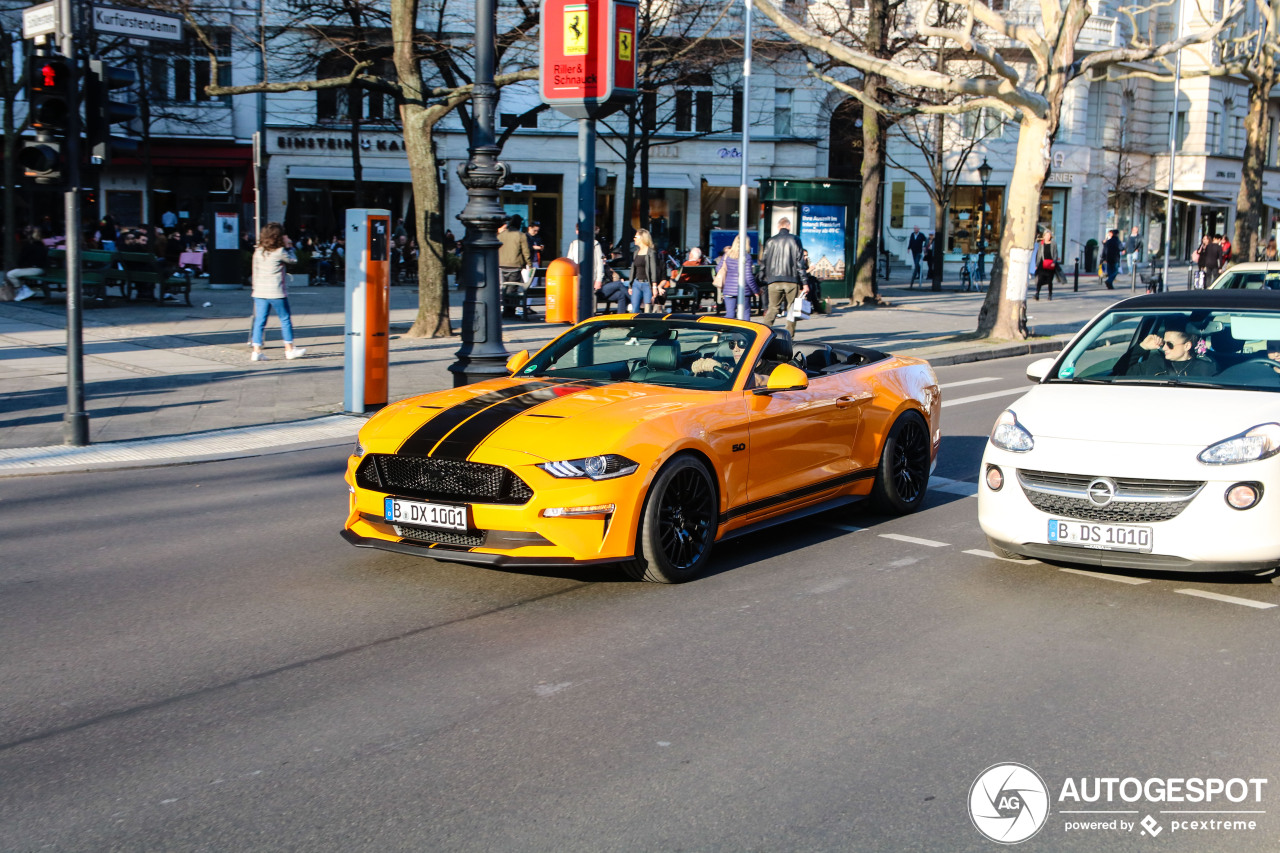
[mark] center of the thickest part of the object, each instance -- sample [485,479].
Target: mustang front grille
[441,479]
[443,537]
[1131,500]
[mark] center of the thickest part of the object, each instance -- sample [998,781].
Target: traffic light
[49,92]
[49,112]
[100,112]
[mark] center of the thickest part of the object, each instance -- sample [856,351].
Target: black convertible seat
[663,355]
[778,350]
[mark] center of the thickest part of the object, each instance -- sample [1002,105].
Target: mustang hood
[546,419]
[1143,414]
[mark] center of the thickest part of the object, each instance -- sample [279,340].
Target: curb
[1003,351]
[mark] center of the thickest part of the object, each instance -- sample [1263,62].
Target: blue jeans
[641,294]
[731,307]
[281,307]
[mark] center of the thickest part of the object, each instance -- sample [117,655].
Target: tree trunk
[864,283]
[1004,313]
[939,230]
[1248,200]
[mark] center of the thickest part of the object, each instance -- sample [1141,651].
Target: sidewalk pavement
[169,382]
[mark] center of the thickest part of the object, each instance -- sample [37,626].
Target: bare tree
[12,81]
[1032,95]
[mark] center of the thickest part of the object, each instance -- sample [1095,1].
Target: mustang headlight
[604,467]
[1010,435]
[1260,442]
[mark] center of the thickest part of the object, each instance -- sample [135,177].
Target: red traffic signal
[48,89]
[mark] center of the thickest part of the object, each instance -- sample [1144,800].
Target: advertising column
[368,315]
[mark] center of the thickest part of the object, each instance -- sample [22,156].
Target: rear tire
[1003,553]
[903,474]
[678,526]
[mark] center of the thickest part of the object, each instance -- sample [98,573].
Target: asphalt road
[193,660]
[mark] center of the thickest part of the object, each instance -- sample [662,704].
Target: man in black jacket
[1111,250]
[780,267]
[915,245]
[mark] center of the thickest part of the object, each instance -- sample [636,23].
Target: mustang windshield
[675,353]
[1204,348]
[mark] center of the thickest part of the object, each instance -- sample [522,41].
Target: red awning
[192,153]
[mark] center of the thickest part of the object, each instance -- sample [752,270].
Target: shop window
[735,123]
[967,221]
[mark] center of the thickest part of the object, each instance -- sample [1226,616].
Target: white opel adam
[1150,442]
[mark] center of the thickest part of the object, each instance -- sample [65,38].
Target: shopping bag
[801,309]
[526,275]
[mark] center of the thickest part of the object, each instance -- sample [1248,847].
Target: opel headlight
[1010,435]
[604,467]
[1260,442]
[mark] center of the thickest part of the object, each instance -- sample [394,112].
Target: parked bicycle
[969,278]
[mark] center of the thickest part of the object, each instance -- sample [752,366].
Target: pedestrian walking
[646,271]
[514,258]
[930,258]
[273,253]
[1133,249]
[33,257]
[1208,260]
[916,245]
[1047,264]
[731,267]
[780,265]
[1111,250]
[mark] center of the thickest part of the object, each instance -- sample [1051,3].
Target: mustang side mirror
[1039,369]
[785,377]
[517,361]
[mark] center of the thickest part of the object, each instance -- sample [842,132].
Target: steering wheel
[1270,362]
[797,358]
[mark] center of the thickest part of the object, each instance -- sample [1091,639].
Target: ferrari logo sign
[576,29]
[624,45]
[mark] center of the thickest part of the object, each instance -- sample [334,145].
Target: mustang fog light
[570,511]
[1244,495]
[1010,435]
[995,478]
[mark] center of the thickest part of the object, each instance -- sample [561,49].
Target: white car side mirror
[1039,369]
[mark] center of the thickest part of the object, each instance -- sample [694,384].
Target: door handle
[853,399]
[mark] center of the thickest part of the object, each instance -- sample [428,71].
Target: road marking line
[970,382]
[848,528]
[988,396]
[977,552]
[1101,576]
[932,543]
[1229,599]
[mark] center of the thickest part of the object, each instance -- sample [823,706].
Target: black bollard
[1075,288]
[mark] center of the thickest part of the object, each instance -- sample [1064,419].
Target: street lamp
[482,355]
[984,172]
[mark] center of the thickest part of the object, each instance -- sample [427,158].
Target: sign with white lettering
[588,55]
[136,23]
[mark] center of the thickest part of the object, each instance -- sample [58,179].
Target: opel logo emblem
[1101,491]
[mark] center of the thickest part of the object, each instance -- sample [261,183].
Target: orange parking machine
[368,314]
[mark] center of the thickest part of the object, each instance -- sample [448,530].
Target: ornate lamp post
[984,172]
[482,355]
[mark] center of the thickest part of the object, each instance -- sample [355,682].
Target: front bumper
[511,534]
[1206,536]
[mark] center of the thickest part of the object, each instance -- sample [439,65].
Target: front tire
[903,475]
[678,526]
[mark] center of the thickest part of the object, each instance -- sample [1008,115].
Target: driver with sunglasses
[1172,354]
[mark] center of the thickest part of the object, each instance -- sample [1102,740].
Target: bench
[95,273]
[517,298]
[1152,279]
[691,285]
[142,270]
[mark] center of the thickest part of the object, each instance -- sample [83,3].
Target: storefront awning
[666,181]
[190,153]
[377,174]
[1201,199]
[1272,201]
[734,180]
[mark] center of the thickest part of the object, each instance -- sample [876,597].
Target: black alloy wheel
[903,475]
[679,524]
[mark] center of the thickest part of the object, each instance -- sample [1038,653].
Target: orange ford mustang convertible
[643,440]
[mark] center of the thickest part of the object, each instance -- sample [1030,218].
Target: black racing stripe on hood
[463,441]
[427,436]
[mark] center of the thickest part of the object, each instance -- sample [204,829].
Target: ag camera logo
[1008,803]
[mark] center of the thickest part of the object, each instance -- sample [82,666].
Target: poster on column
[822,234]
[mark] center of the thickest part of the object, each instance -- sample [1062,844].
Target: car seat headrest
[663,355]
